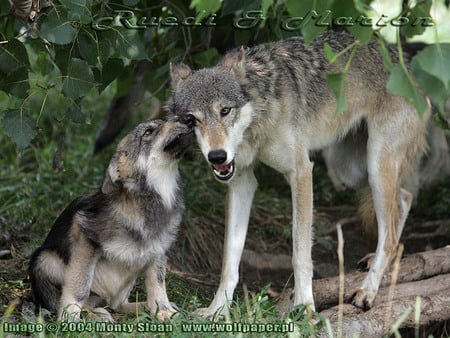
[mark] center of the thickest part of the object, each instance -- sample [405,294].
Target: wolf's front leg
[302,215]
[155,283]
[77,283]
[240,196]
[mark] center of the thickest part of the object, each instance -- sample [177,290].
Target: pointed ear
[234,61]
[118,171]
[178,72]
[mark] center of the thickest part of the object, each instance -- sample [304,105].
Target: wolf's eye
[225,111]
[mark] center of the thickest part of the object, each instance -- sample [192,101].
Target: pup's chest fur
[136,230]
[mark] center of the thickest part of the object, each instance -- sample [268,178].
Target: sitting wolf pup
[104,239]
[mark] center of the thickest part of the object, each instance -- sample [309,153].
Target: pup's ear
[118,171]
[234,61]
[178,73]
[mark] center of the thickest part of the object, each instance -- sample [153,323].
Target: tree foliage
[65,49]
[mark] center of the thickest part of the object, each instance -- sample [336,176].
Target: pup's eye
[148,132]
[225,111]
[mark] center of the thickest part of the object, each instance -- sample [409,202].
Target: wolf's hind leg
[405,201]
[302,209]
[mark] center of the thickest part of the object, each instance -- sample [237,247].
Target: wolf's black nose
[187,119]
[217,156]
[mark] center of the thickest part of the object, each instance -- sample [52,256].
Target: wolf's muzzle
[217,156]
[223,171]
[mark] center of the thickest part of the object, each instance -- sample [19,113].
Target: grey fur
[104,239]
[271,103]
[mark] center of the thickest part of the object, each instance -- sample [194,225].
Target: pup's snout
[217,156]
[187,119]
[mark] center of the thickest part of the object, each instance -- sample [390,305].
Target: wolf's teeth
[225,172]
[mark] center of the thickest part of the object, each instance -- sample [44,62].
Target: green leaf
[75,112]
[362,33]
[431,85]
[310,26]
[128,44]
[265,5]
[16,82]
[4,101]
[88,48]
[57,104]
[385,55]
[63,55]
[207,7]
[78,10]
[13,55]
[206,58]
[434,60]
[43,64]
[57,29]
[399,83]
[348,9]
[111,70]
[19,127]
[416,25]
[331,56]
[336,82]
[14,67]
[104,50]
[79,79]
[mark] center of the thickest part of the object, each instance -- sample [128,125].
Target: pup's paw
[71,313]
[366,262]
[99,314]
[361,299]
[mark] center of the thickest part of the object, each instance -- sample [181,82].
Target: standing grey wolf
[271,103]
[104,239]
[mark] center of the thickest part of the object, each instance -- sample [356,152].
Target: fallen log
[424,274]
[413,267]
[434,307]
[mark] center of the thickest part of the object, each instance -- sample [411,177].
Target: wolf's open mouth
[223,172]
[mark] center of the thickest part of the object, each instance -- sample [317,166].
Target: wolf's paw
[309,305]
[366,262]
[167,313]
[212,314]
[361,299]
